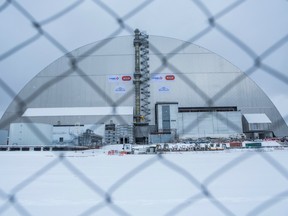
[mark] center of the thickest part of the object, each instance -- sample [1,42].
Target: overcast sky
[257,25]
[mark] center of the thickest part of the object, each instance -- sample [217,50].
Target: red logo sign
[169,77]
[126,78]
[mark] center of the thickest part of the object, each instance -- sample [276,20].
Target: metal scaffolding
[142,92]
[145,86]
[141,77]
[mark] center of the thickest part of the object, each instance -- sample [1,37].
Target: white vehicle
[128,148]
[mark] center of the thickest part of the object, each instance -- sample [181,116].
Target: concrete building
[21,134]
[185,90]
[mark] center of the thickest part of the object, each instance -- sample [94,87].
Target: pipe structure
[137,76]
[145,72]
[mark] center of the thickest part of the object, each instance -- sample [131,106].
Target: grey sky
[258,24]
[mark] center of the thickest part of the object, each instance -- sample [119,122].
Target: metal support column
[137,77]
[142,93]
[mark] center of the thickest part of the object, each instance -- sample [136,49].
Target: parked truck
[128,149]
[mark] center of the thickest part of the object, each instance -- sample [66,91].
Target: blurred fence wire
[10,198]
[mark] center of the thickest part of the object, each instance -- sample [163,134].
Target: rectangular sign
[113,78]
[126,78]
[162,77]
[169,77]
[119,78]
[157,78]
[164,89]
[120,89]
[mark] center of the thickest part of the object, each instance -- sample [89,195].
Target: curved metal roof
[101,75]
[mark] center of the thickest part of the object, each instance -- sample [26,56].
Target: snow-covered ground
[229,182]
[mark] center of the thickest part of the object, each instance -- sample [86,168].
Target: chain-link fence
[124,24]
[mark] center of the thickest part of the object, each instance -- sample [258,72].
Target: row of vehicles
[197,146]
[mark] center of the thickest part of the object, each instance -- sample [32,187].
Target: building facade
[192,91]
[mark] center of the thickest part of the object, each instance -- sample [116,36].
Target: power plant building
[143,89]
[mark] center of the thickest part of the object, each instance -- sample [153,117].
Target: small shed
[257,125]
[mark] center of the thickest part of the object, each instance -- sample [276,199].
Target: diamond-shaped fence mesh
[140,177]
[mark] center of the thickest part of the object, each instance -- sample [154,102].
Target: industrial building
[140,89]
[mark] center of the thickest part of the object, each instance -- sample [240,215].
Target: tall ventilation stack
[141,83]
[145,86]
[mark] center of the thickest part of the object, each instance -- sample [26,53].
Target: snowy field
[182,183]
